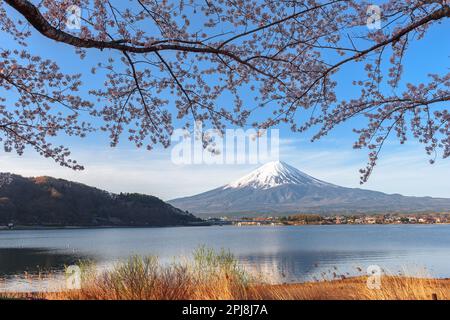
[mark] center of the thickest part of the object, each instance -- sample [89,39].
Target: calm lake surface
[284,253]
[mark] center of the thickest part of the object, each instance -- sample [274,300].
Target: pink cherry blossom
[283,54]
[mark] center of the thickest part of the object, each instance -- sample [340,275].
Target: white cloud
[402,170]
[127,170]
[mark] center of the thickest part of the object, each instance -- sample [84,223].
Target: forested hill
[46,201]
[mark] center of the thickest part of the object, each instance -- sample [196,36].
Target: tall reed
[214,275]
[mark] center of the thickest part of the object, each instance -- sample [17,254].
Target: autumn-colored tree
[284,54]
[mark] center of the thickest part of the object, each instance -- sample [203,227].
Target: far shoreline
[5,228]
[37,228]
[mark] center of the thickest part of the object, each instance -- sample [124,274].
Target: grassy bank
[213,276]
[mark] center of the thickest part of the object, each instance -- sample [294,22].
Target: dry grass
[209,276]
[392,288]
[212,276]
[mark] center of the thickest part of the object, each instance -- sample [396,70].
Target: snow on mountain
[273,174]
[277,188]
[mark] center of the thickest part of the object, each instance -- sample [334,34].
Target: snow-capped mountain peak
[279,189]
[273,174]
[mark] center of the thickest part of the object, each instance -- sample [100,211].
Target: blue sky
[402,169]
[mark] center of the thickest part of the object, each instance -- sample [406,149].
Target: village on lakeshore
[315,219]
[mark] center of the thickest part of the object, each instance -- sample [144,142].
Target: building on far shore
[305,219]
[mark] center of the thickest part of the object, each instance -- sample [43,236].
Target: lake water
[285,254]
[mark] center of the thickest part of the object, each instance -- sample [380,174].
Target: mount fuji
[277,188]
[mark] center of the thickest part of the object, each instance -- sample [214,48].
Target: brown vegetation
[212,276]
